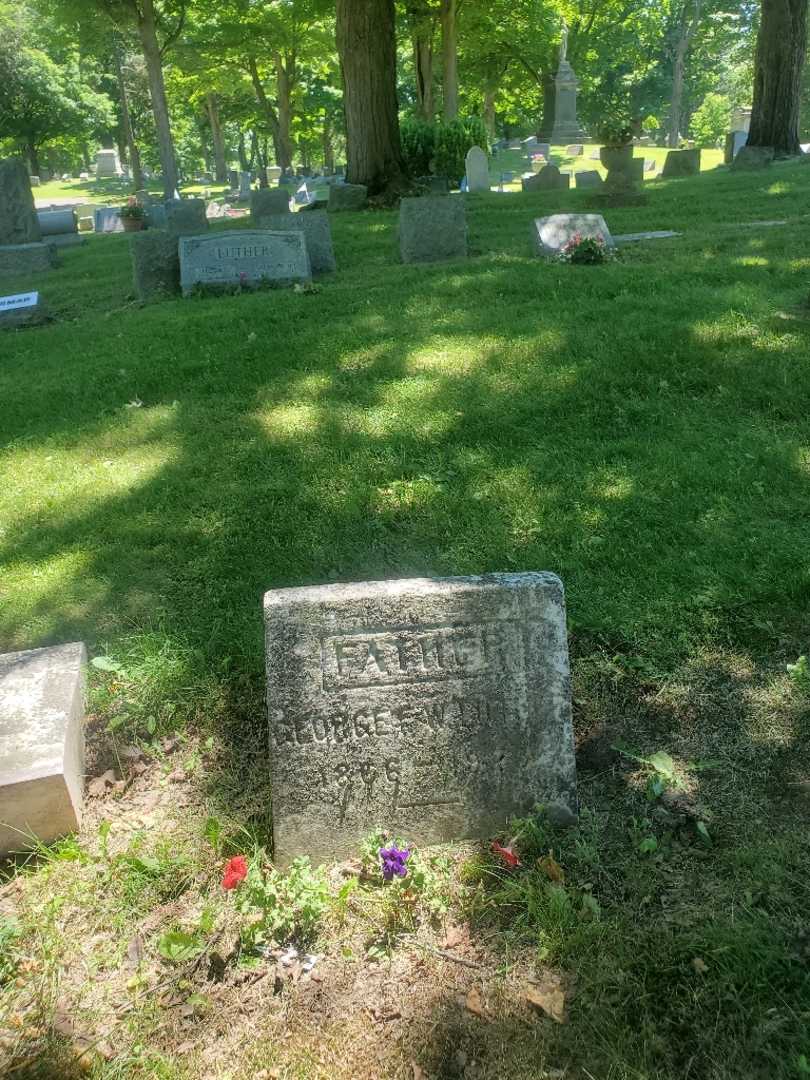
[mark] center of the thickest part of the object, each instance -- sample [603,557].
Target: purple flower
[393,862]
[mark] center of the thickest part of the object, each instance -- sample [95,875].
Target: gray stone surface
[155,264]
[588,178]
[567,128]
[432,228]
[735,141]
[107,164]
[476,169]
[244,185]
[753,157]
[574,150]
[681,163]
[436,709]
[26,259]
[243,257]
[347,197]
[637,237]
[314,224]
[22,309]
[186,217]
[551,234]
[18,218]
[266,201]
[548,179]
[107,219]
[41,744]
[58,222]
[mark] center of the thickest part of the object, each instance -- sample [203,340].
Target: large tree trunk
[284,82]
[32,153]
[367,48]
[687,30]
[489,113]
[780,56]
[126,124]
[421,20]
[217,141]
[449,60]
[160,107]
[267,108]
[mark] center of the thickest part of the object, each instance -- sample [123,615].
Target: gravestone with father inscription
[436,709]
[243,257]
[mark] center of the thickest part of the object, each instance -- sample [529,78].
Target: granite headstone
[551,234]
[243,257]
[432,229]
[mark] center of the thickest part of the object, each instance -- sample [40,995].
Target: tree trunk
[157,88]
[126,124]
[33,159]
[217,141]
[284,83]
[266,105]
[328,147]
[367,49]
[687,30]
[449,60]
[244,164]
[780,56]
[489,113]
[421,22]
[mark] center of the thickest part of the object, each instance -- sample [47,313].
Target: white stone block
[41,744]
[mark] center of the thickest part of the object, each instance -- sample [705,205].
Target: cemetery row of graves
[535,796]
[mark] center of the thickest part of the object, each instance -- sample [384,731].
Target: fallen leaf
[473,1002]
[548,999]
[135,951]
[99,784]
[700,965]
[551,868]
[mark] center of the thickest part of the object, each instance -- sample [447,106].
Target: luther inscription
[435,708]
[243,257]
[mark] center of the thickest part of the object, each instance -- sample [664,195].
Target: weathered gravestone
[22,309]
[575,150]
[107,219]
[735,141]
[588,178]
[432,229]
[34,181]
[17,259]
[548,179]
[347,197]
[18,217]
[185,217]
[317,233]
[273,173]
[269,201]
[436,709]
[243,257]
[107,164]
[59,227]
[753,157]
[476,169]
[681,163]
[551,234]
[42,744]
[244,185]
[155,264]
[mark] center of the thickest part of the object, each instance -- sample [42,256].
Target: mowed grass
[642,429]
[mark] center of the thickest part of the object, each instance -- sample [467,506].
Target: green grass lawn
[108,192]
[642,429]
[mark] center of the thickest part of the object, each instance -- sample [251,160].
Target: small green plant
[132,211]
[418,145]
[281,907]
[800,674]
[616,134]
[9,956]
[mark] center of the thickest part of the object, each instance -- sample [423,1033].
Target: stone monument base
[26,258]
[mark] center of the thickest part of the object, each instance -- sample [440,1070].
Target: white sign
[20,300]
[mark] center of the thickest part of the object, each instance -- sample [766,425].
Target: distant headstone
[476,169]
[741,119]
[185,217]
[551,234]
[681,163]
[107,164]
[273,173]
[20,259]
[244,185]
[347,197]
[269,201]
[18,217]
[22,309]
[753,157]
[735,141]
[436,709]
[59,226]
[649,165]
[317,233]
[42,735]
[594,155]
[107,219]
[34,181]
[233,178]
[548,179]
[575,150]
[434,185]
[432,229]
[588,178]
[155,264]
[243,257]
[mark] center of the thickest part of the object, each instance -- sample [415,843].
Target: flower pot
[132,224]
[616,158]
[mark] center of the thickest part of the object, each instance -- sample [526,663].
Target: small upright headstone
[244,185]
[269,201]
[588,178]
[155,264]
[34,181]
[243,257]
[432,229]
[477,169]
[21,309]
[107,219]
[347,197]
[185,217]
[548,179]
[735,141]
[273,173]
[42,735]
[107,164]
[575,150]
[753,157]
[681,163]
[20,259]
[233,179]
[317,233]
[436,709]
[551,234]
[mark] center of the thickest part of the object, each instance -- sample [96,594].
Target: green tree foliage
[711,121]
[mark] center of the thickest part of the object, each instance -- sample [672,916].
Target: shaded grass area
[641,429]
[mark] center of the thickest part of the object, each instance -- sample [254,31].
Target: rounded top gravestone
[477,169]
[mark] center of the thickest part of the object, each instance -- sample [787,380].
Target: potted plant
[616,151]
[132,215]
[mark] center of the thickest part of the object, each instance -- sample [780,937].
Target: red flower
[235,871]
[507,854]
